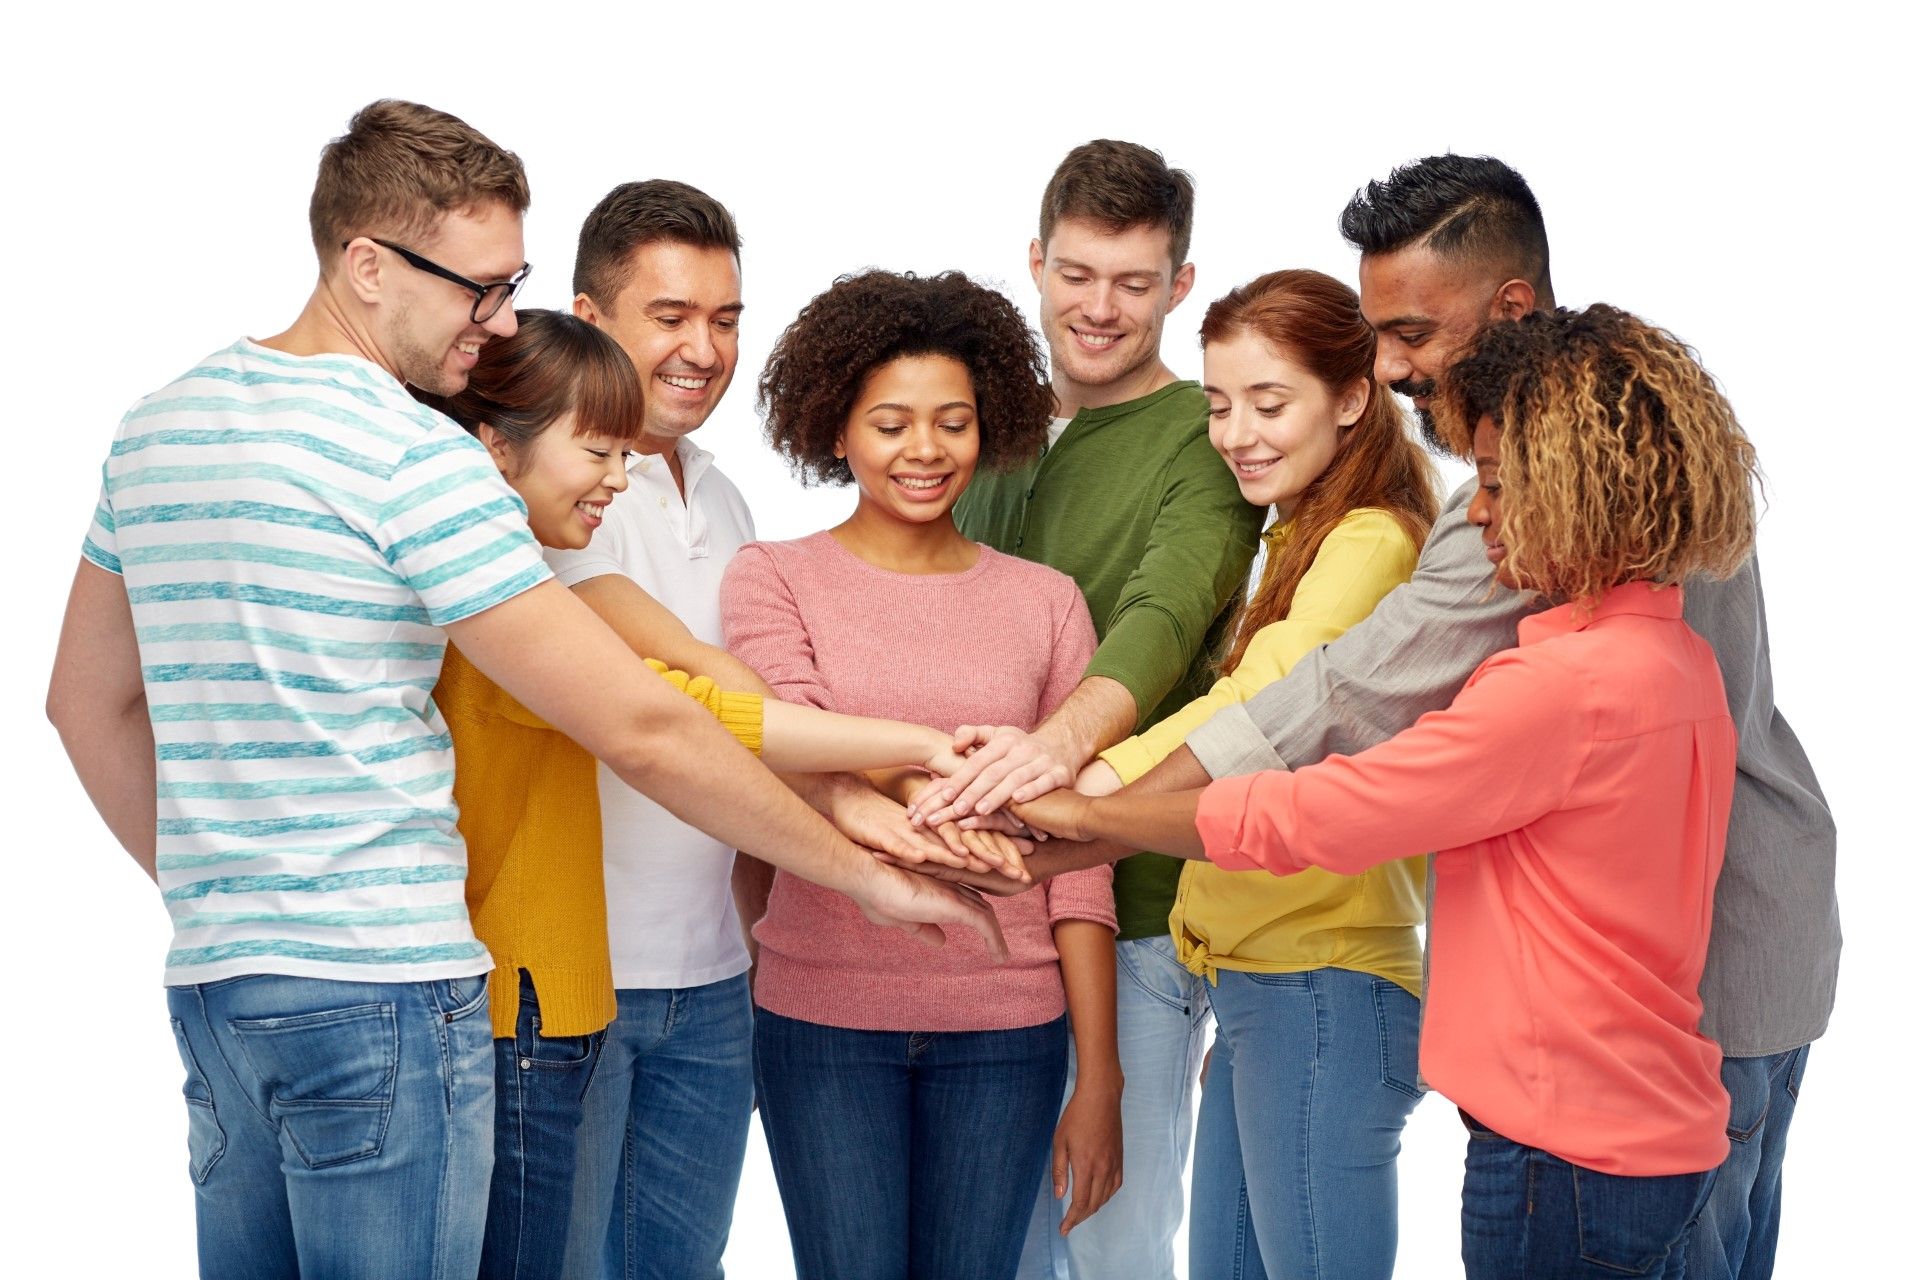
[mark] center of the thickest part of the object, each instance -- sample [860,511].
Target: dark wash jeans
[539,1085]
[1736,1235]
[1528,1215]
[907,1154]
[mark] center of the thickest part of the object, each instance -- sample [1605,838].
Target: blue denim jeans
[907,1155]
[1162,1025]
[337,1129]
[663,1135]
[539,1085]
[1736,1235]
[1313,1077]
[1527,1215]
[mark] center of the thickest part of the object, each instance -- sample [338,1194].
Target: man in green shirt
[1129,499]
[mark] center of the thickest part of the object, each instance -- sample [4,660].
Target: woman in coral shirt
[1577,792]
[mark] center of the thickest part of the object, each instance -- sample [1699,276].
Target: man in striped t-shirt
[284,543]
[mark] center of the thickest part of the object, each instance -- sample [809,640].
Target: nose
[1235,431]
[1100,304]
[698,349]
[617,473]
[503,323]
[924,444]
[1390,363]
[1480,510]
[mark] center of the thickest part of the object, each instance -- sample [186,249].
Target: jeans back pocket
[206,1140]
[328,1077]
[1632,1225]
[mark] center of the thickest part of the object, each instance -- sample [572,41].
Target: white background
[1741,177]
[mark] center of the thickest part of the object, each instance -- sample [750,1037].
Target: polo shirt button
[1019,542]
[1029,493]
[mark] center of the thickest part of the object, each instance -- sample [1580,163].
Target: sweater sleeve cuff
[1220,820]
[1130,759]
[1230,745]
[744,716]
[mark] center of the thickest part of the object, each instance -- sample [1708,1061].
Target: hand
[1087,1151]
[1002,764]
[984,880]
[868,818]
[987,852]
[926,907]
[1058,813]
[1098,779]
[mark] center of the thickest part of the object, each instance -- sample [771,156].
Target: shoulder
[1371,531]
[1031,578]
[764,562]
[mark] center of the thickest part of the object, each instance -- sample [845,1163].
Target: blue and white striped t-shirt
[294,532]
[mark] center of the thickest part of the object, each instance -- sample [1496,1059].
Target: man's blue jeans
[337,1129]
[663,1135]
[907,1154]
[1528,1215]
[540,1085]
[1313,1077]
[1736,1235]
[1162,1025]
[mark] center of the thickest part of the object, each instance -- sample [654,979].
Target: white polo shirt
[671,921]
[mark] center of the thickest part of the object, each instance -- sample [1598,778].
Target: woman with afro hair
[908,1092]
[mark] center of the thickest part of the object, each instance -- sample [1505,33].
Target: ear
[1511,300]
[360,268]
[840,445]
[1182,285]
[584,309]
[499,448]
[1353,402]
[1037,260]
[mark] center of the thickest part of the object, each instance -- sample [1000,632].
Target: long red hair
[1315,321]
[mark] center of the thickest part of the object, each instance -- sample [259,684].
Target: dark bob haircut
[812,381]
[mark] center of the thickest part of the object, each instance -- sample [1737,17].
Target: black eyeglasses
[487,298]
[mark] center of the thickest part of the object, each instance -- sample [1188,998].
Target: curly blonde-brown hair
[1620,460]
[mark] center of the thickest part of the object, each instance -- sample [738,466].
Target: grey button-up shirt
[1775,951]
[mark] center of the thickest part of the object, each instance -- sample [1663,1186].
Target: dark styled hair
[398,168]
[813,378]
[1464,208]
[637,213]
[1620,460]
[553,364]
[1315,320]
[1117,185]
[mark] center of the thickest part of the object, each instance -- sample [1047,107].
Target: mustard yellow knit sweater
[529,803]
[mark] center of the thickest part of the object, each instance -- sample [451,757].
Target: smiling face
[1484,510]
[1104,299]
[678,320]
[565,480]
[913,438]
[1277,425]
[425,324]
[1424,310]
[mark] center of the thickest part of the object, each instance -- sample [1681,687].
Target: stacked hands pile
[440,746]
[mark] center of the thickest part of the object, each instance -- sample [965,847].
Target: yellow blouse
[1250,920]
[529,802]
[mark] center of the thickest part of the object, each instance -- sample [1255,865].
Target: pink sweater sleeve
[1505,753]
[1087,894]
[764,628]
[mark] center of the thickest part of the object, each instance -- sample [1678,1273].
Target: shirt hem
[331,971]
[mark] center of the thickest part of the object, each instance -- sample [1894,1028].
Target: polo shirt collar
[1646,599]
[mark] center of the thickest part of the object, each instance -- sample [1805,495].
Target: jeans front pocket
[206,1140]
[1398,1015]
[1633,1225]
[328,1076]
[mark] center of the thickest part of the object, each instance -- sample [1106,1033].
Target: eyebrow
[907,408]
[1151,273]
[1402,322]
[687,304]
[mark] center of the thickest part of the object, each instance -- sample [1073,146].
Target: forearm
[654,631]
[1087,972]
[1097,714]
[113,755]
[801,739]
[752,886]
[1162,822]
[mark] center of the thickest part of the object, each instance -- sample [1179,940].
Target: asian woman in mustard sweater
[556,405]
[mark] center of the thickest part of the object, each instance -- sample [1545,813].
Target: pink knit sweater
[1003,643]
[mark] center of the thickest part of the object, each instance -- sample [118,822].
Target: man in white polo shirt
[665,1125]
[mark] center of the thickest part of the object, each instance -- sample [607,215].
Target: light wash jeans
[1737,1232]
[1162,1028]
[337,1129]
[663,1135]
[1313,1077]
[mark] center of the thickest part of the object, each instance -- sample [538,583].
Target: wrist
[1098,1074]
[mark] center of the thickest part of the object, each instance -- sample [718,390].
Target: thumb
[1059,1164]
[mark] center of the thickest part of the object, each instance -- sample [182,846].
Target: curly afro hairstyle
[1620,459]
[812,381]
